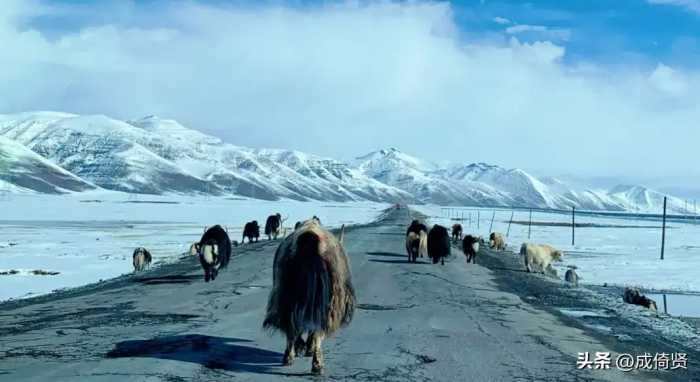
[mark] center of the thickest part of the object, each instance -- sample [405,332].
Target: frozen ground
[91,236]
[612,255]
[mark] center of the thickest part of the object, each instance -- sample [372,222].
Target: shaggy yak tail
[307,280]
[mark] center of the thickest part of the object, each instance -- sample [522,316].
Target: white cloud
[501,20]
[557,34]
[668,80]
[343,80]
[692,5]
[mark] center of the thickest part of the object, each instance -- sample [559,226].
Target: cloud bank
[341,80]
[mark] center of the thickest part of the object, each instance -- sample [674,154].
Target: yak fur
[438,244]
[273,226]
[470,247]
[633,296]
[496,241]
[214,251]
[571,277]
[456,232]
[539,256]
[142,259]
[312,291]
[251,230]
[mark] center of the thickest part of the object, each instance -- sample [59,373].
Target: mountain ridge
[154,156]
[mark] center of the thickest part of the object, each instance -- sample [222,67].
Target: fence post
[665,308]
[478,217]
[663,231]
[510,222]
[470,218]
[492,218]
[529,225]
[573,225]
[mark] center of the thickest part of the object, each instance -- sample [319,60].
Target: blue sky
[613,32]
[599,30]
[587,89]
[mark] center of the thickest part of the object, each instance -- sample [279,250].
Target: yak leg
[527,264]
[289,352]
[300,346]
[309,346]
[317,361]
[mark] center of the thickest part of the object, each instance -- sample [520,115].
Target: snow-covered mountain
[484,184]
[23,170]
[153,155]
[61,152]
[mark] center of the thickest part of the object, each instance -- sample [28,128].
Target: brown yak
[312,291]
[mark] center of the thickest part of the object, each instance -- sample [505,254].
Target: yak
[470,247]
[251,230]
[416,227]
[456,232]
[438,244]
[416,245]
[571,277]
[214,251]
[273,226]
[312,291]
[633,296]
[142,259]
[496,241]
[540,255]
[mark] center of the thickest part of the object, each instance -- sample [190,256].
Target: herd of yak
[312,294]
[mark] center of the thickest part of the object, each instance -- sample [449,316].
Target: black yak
[470,247]
[251,231]
[416,227]
[633,296]
[312,291]
[438,244]
[142,259]
[273,226]
[456,232]
[214,251]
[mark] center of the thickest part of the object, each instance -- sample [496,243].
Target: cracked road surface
[418,322]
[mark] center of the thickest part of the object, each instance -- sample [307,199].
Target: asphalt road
[419,322]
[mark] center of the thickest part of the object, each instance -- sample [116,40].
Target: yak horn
[342,234]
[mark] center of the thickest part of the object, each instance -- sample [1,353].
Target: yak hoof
[288,360]
[316,368]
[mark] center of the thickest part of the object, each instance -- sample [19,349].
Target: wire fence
[574,227]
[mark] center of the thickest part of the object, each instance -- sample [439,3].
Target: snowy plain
[610,255]
[90,236]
